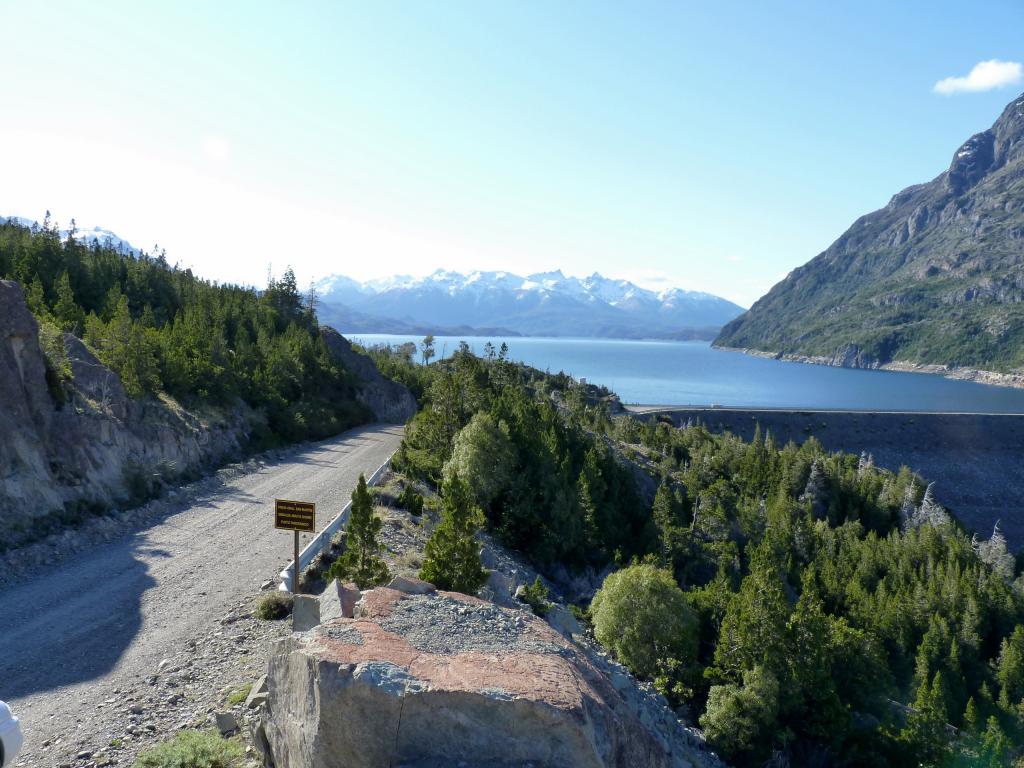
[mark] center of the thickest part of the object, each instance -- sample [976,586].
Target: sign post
[295,516]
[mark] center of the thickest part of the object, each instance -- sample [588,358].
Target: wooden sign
[295,515]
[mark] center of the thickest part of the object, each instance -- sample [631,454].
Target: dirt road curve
[101,622]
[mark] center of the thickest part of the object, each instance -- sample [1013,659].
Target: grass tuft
[194,749]
[237,697]
[275,606]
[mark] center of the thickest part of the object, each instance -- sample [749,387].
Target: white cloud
[984,76]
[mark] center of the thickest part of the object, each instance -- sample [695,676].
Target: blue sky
[712,146]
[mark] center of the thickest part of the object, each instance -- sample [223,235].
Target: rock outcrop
[442,679]
[99,446]
[389,400]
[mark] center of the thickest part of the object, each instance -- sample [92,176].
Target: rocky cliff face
[428,679]
[100,445]
[101,448]
[389,400]
[935,277]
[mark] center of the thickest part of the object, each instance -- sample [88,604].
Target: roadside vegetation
[804,608]
[361,561]
[274,606]
[194,749]
[163,330]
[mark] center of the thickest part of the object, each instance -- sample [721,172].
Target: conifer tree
[814,491]
[666,512]
[995,553]
[925,732]
[66,310]
[451,557]
[361,561]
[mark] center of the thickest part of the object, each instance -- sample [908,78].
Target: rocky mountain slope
[85,444]
[934,278]
[549,304]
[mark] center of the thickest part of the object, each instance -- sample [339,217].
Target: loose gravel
[85,640]
[443,625]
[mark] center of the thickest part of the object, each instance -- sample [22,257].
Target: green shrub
[194,749]
[642,615]
[411,501]
[739,718]
[239,695]
[275,606]
[484,457]
[536,596]
[582,615]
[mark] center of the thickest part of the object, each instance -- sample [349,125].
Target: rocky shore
[851,357]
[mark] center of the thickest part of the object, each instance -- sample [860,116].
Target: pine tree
[1010,668]
[590,492]
[66,309]
[995,746]
[995,553]
[972,720]
[814,491]
[361,561]
[925,732]
[666,512]
[451,557]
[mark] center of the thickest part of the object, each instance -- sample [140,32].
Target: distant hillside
[544,304]
[935,277]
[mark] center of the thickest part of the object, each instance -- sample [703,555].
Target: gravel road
[79,640]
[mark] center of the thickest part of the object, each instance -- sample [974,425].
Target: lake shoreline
[975,375]
[698,374]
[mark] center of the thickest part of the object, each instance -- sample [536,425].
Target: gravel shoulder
[82,641]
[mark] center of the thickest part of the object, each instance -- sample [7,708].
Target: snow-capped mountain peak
[84,235]
[546,303]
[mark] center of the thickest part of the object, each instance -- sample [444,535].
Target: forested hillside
[164,330]
[805,608]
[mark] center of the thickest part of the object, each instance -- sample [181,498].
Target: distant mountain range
[104,236]
[502,303]
[498,303]
[936,278]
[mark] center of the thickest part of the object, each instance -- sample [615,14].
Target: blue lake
[692,373]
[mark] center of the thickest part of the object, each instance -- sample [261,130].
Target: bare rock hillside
[99,446]
[389,400]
